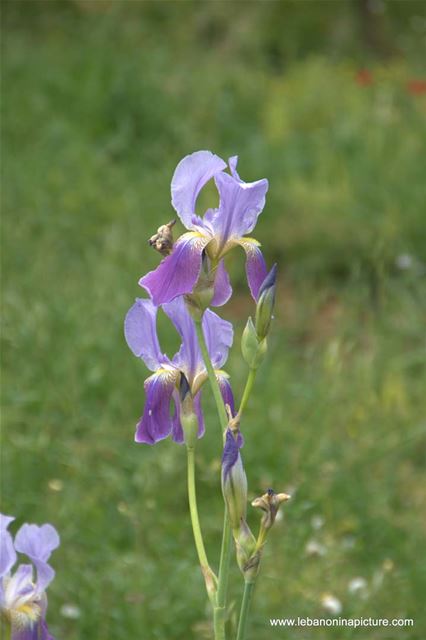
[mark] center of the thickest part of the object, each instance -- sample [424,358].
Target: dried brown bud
[162,241]
[269,503]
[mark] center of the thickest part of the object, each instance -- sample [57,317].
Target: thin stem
[247,390]
[225,552]
[212,377]
[209,577]
[245,607]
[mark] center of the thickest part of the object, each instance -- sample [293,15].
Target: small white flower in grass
[331,604]
[70,611]
[315,548]
[317,522]
[358,586]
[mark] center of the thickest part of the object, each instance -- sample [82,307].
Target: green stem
[209,576]
[245,607]
[225,552]
[247,390]
[212,377]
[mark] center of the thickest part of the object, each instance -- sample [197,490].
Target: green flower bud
[188,418]
[265,304]
[248,557]
[253,349]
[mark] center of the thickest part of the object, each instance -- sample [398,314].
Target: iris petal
[255,265]
[141,333]
[178,273]
[222,286]
[190,176]
[156,422]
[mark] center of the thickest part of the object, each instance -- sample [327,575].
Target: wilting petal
[188,359]
[239,207]
[156,422]
[222,286]
[226,390]
[141,333]
[219,335]
[255,265]
[7,550]
[190,176]
[178,273]
[38,543]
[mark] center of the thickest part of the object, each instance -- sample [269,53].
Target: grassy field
[100,102]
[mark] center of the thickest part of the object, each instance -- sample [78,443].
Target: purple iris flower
[221,229]
[161,388]
[234,481]
[23,601]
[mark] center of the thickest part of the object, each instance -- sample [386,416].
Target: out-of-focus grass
[98,109]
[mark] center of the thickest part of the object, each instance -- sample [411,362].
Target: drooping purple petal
[222,286]
[190,176]
[199,413]
[178,273]
[156,422]
[239,207]
[226,390]
[188,359]
[219,335]
[140,331]
[30,631]
[7,550]
[38,543]
[255,265]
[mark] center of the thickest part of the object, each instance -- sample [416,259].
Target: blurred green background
[326,100]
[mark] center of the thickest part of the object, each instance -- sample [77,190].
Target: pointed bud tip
[184,388]
[269,280]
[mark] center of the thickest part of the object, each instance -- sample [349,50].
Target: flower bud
[234,480]
[188,418]
[162,241]
[253,349]
[248,557]
[269,503]
[265,304]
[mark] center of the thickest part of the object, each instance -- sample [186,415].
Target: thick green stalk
[225,553]
[245,607]
[209,576]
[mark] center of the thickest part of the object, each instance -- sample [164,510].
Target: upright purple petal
[38,543]
[141,333]
[178,273]
[219,335]
[231,453]
[188,359]
[222,286]
[190,176]
[156,421]
[255,265]
[239,207]
[7,550]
